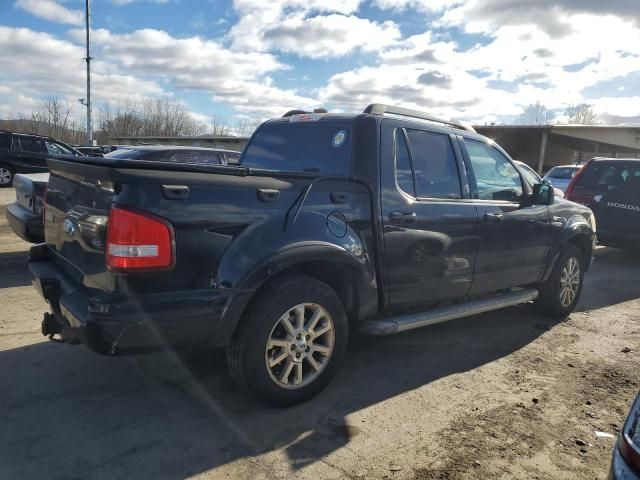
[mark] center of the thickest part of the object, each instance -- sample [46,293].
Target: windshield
[562,173]
[315,147]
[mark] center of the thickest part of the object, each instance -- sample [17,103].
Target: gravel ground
[502,395]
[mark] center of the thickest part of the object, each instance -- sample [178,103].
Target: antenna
[88,60]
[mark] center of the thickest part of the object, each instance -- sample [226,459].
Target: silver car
[561,176]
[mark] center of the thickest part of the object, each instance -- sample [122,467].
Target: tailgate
[30,190]
[619,210]
[78,200]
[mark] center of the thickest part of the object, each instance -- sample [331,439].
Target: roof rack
[381,109]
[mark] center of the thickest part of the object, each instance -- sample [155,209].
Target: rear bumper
[24,223]
[618,239]
[110,324]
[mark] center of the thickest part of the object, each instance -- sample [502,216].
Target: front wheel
[290,343]
[559,295]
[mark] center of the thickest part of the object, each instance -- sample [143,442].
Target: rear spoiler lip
[120,163]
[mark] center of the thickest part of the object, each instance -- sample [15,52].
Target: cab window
[496,177]
[434,165]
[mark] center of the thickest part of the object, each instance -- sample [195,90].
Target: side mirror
[543,193]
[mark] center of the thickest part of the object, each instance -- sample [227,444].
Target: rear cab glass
[322,147]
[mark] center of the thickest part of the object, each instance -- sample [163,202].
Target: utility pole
[88,60]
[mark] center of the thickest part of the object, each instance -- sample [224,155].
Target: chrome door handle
[493,217]
[403,217]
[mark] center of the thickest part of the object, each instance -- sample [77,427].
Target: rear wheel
[6,176]
[291,342]
[559,295]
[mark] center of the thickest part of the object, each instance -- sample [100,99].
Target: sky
[481,61]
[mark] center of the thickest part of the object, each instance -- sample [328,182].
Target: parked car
[27,153]
[561,176]
[25,214]
[383,221]
[531,176]
[625,464]
[611,188]
[178,154]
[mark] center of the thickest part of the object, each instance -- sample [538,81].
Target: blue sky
[479,60]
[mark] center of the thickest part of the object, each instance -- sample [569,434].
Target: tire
[6,176]
[313,342]
[554,299]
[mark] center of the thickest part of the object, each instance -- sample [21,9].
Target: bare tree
[246,126]
[163,116]
[581,114]
[535,114]
[54,118]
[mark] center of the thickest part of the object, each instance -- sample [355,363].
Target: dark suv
[382,221]
[611,188]
[27,153]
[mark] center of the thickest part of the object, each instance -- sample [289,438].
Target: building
[545,146]
[211,141]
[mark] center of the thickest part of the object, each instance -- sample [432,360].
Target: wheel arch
[351,278]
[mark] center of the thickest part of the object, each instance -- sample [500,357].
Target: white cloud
[42,65]
[52,11]
[326,36]
[313,29]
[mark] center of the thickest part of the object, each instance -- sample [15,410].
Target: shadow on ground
[13,269]
[68,413]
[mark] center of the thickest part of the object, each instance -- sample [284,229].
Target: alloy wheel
[300,345]
[569,281]
[5,176]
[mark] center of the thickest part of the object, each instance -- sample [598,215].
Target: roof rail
[381,109]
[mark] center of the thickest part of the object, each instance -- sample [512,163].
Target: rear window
[562,173]
[315,147]
[608,176]
[135,154]
[198,157]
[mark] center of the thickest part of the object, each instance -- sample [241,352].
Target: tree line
[577,114]
[128,117]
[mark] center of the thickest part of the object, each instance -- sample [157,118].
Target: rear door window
[495,175]
[32,145]
[434,165]
[313,147]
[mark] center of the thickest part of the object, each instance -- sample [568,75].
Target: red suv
[611,188]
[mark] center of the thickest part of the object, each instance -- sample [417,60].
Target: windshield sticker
[339,138]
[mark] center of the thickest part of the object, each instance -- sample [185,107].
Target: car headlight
[592,220]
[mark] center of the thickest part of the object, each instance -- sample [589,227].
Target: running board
[388,326]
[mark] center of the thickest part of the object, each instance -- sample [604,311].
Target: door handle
[493,217]
[403,217]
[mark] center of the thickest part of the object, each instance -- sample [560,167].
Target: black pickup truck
[383,221]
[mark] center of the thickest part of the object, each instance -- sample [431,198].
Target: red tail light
[138,241]
[568,193]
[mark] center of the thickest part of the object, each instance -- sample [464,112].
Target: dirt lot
[500,395]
